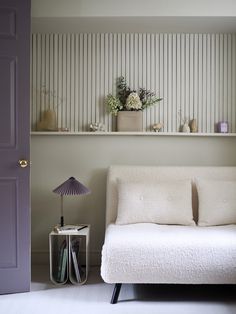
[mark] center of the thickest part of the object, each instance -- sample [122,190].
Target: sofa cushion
[162,202]
[217,202]
[151,253]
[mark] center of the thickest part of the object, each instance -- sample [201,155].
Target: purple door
[14,146]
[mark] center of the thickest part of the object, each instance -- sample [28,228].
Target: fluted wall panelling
[193,73]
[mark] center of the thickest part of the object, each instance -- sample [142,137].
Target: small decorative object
[97,127]
[193,126]
[185,127]
[49,121]
[128,100]
[223,127]
[157,127]
[70,187]
[63,130]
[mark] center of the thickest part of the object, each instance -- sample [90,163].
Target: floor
[94,298]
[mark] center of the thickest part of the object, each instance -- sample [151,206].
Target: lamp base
[62,221]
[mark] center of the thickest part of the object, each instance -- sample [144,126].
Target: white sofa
[179,252]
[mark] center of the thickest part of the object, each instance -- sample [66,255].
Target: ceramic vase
[49,121]
[186,128]
[130,121]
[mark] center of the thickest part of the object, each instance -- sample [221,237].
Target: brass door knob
[23,163]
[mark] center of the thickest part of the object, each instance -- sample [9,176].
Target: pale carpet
[94,298]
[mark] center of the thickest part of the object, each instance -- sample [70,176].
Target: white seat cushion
[150,253]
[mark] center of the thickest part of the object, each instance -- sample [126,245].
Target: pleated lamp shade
[70,187]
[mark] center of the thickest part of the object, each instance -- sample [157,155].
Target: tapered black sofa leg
[115,294]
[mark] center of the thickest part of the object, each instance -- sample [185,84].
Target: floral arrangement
[127,99]
[113,104]
[51,96]
[48,120]
[133,102]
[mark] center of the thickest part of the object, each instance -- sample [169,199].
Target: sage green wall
[87,157]
[55,158]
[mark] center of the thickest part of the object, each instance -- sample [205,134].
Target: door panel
[8,102]
[14,145]
[7,22]
[8,228]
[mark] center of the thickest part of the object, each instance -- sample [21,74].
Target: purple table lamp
[70,187]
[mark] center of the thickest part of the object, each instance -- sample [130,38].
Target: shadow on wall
[92,207]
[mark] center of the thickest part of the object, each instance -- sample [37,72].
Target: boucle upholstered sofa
[170,225]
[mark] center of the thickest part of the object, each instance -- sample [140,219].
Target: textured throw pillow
[217,202]
[162,203]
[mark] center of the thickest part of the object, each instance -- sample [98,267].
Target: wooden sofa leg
[115,294]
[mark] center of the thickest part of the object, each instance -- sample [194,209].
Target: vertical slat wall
[193,73]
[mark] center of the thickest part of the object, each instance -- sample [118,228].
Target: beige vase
[130,121]
[193,126]
[49,121]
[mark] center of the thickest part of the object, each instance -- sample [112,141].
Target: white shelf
[132,134]
[134,24]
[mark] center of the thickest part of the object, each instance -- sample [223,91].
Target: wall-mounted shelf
[134,24]
[133,134]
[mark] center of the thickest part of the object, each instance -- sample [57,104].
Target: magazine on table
[75,256]
[68,228]
[62,262]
